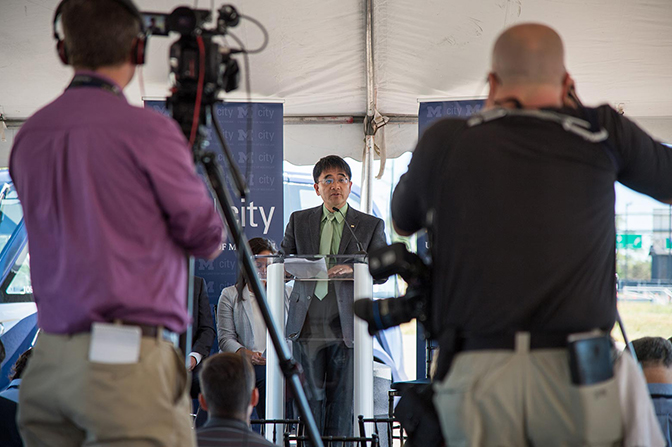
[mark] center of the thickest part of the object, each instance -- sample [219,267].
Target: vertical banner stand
[275,381]
[363,364]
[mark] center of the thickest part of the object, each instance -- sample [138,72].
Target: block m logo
[433,111]
[204,264]
[244,136]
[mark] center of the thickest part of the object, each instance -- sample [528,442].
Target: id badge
[114,343]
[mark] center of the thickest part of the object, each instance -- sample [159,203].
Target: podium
[346,278]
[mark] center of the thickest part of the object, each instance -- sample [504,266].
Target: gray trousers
[328,369]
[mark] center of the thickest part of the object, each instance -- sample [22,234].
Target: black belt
[508,342]
[453,341]
[153,331]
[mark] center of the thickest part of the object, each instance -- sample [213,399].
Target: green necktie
[325,249]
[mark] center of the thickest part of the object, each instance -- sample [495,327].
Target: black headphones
[139,44]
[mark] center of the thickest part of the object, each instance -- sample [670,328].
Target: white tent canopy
[618,51]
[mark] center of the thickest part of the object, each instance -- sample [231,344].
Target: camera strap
[84,80]
[569,123]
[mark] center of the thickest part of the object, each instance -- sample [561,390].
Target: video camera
[416,303]
[415,410]
[200,68]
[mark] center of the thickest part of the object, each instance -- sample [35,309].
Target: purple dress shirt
[112,204]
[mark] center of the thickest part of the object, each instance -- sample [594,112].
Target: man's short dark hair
[653,351]
[331,162]
[98,33]
[227,382]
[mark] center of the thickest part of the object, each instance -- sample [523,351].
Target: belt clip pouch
[418,417]
[590,359]
[591,368]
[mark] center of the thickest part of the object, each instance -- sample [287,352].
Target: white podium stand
[363,343]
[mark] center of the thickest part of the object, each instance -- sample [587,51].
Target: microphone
[347,224]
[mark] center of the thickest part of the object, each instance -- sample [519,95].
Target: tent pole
[370,98]
[367,165]
[367,176]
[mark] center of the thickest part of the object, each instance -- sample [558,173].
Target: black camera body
[200,68]
[416,303]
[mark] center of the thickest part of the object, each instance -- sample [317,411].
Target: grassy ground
[643,319]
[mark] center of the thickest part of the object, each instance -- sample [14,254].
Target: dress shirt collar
[118,90]
[340,217]
[660,389]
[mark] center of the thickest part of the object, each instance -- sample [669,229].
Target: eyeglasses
[330,181]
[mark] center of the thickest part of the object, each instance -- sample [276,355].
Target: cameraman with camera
[519,206]
[112,205]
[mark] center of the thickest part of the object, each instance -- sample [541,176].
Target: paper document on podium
[301,268]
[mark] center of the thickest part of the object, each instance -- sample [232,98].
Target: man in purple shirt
[112,205]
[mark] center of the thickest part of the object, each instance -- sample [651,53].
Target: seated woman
[240,325]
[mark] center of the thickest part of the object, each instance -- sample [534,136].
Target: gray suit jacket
[302,237]
[234,319]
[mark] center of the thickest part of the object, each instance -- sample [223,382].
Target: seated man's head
[332,177]
[655,356]
[228,387]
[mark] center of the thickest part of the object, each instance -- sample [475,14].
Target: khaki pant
[522,397]
[66,400]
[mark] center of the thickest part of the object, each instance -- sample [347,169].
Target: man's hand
[340,271]
[257,358]
[192,363]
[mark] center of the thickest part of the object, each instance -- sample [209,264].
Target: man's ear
[569,98]
[493,82]
[317,189]
[567,81]
[254,400]
[202,402]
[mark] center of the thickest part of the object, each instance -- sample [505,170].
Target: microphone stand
[216,183]
[360,247]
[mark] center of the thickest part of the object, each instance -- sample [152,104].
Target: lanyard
[82,80]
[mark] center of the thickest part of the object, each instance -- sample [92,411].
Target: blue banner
[432,111]
[262,213]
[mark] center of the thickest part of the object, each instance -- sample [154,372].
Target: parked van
[18,313]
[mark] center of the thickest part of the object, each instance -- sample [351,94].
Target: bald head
[529,54]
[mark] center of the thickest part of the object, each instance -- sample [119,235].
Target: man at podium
[320,320]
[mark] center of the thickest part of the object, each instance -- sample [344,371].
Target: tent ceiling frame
[345,119]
